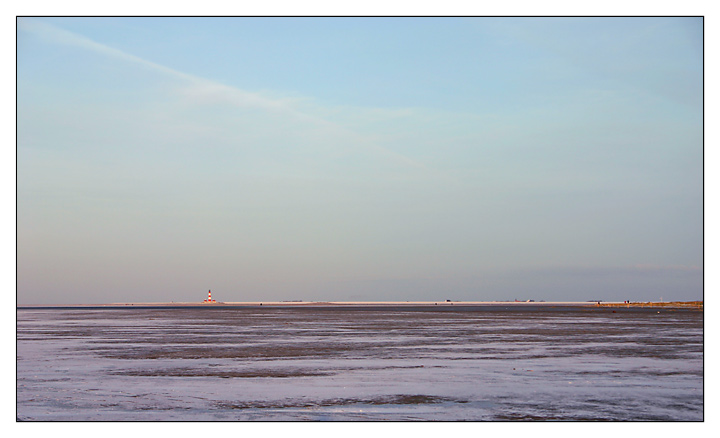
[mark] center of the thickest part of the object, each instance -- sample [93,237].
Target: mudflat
[327,362]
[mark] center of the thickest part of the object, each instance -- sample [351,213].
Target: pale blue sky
[359,159]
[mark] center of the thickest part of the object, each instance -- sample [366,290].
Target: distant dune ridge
[683,304]
[400,304]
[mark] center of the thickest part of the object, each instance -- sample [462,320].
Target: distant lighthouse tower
[209,298]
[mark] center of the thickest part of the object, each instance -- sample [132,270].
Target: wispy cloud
[668,268]
[57,35]
[205,90]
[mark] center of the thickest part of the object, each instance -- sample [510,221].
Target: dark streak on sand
[400,399]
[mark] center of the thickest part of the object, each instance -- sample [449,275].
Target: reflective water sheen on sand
[359,364]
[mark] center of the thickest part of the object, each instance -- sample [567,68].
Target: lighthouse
[209,298]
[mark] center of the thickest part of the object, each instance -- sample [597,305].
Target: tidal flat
[360,363]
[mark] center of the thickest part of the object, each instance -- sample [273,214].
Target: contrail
[57,35]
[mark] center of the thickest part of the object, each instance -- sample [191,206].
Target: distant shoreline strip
[697,305]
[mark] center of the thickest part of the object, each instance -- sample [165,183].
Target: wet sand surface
[365,363]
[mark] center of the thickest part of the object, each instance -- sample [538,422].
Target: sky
[359,159]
